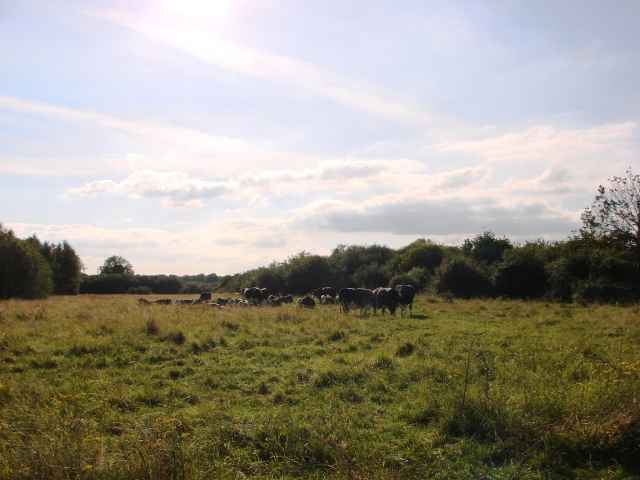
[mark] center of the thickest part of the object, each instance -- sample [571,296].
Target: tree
[67,269]
[486,247]
[462,278]
[116,264]
[521,275]
[24,272]
[421,254]
[306,271]
[615,212]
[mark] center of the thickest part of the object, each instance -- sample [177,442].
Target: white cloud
[180,190]
[545,142]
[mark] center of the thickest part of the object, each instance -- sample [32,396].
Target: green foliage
[304,272]
[67,270]
[423,254]
[116,265]
[417,277]
[24,272]
[462,278]
[164,284]
[371,276]
[521,275]
[589,269]
[356,265]
[115,283]
[192,288]
[486,248]
[140,290]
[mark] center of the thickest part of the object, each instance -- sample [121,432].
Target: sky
[193,136]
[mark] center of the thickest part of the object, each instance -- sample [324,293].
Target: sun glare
[216,10]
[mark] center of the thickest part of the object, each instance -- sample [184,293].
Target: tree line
[598,263]
[33,269]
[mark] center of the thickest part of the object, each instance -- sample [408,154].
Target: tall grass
[100,387]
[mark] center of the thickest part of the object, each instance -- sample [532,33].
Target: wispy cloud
[151,131]
[543,142]
[353,93]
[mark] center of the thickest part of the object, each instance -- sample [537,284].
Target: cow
[223,301]
[239,302]
[186,301]
[274,301]
[327,300]
[255,295]
[162,301]
[204,297]
[306,302]
[287,299]
[326,291]
[407,294]
[361,298]
[384,298]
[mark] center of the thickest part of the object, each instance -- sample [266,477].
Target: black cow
[255,295]
[407,294]
[306,302]
[355,297]
[204,297]
[384,298]
[327,291]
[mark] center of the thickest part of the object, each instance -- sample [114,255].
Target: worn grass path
[101,387]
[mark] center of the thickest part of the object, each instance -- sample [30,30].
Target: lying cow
[386,298]
[306,302]
[327,300]
[186,301]
[162,301]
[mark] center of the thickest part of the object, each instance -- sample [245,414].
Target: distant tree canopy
[614,215]
[116,265]
[601,263]
[30,269]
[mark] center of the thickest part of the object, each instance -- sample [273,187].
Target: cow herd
[360,299]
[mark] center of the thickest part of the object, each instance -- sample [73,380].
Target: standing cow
[384,298]
[326,291]
[255,295]
[407,293]
[362,298]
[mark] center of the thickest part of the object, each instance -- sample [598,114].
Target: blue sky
[217,136]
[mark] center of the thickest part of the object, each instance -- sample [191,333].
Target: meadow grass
[101,387]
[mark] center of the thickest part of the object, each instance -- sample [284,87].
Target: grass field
[101,387]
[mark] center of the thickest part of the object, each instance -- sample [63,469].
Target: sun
[216,10]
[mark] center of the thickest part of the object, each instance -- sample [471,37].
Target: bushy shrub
[462,278]
[521,276]
[140,290]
